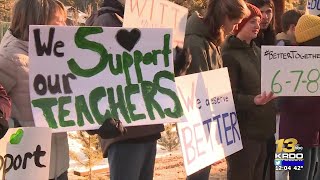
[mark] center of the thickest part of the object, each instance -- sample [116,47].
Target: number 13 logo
[290,145]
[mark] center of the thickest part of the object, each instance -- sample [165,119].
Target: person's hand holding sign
[111,128]
[264,98]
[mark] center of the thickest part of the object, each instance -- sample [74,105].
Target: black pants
[202,174]
[269,168]
[63,176]
[248,163]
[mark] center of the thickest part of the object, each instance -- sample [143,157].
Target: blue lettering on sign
[314,4]
[226,128]
[216,118]
[223,127]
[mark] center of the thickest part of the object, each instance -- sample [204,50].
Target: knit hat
[254,12]
[307,28]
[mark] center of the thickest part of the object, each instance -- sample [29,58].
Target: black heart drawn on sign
[128,39]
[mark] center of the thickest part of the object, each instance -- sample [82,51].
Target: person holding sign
[267,36]
[5,111]
[299,116]
[14,70]
[204,36]
[131,155]
[256,112]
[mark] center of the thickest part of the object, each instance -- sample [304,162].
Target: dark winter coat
[205,55]
[266,37]
[244,65]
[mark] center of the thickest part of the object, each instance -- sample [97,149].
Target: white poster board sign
[80,76]
[290,70]
[313,7]
[212,131]
[25,154]
[157,13]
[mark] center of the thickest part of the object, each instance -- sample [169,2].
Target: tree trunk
[90,173]
[90,164]
[279,10]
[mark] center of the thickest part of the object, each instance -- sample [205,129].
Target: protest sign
[25,154]
[212,131]
[290,70]
[157,13]
[80,76]
[313,7]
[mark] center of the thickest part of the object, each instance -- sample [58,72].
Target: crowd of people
[229,34]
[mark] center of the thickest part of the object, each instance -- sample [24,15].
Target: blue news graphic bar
[292,163]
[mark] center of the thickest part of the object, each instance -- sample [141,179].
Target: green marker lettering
[83,43]
[95,97]
[166,49]
[82,110]
[149,90]
[130,90]
[177,110]
[127,63]
[46,104]
[64,113]
[121,104]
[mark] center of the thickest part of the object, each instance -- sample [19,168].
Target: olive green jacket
[205,55]
[244,65]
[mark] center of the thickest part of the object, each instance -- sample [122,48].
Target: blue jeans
[132,161]
[310,156]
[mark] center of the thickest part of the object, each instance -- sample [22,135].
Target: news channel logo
[288,155]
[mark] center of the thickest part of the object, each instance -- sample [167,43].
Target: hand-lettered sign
[290,70]
[212,131]
[157,13]
[313,7]
[81,76]
[25,154]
